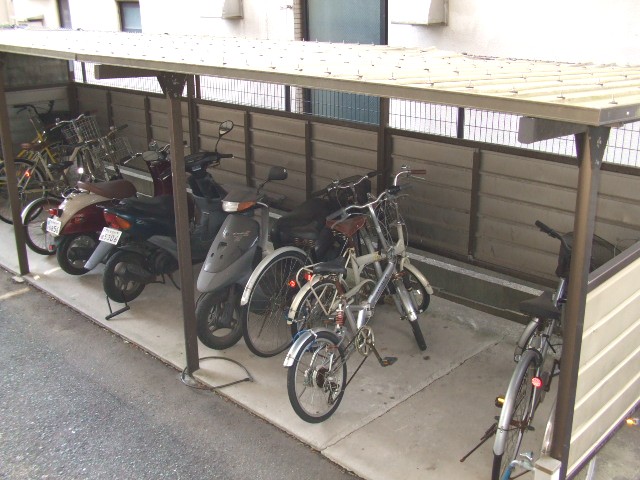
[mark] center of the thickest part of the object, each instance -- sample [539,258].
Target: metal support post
[590,152]
[173,86]
[10,169]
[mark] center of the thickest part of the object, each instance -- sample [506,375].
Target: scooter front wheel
[120,279]
[218,321]
[74,250]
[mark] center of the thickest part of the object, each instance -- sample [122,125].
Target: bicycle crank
[365,344]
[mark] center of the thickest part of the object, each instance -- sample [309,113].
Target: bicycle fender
[23,215]
[258,270]
[509,399]
[297,345]
[295,303]
[420,276]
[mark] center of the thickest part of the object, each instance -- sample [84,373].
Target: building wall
[571,30]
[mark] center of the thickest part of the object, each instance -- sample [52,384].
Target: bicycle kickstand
[487,435]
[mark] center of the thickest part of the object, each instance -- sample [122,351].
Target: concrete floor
[413,420]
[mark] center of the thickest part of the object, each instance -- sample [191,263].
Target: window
[130,16]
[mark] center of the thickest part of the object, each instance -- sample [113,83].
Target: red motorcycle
[77,222]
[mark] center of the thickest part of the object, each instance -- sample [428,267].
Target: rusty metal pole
[10,169]
[590,147]
[173,86]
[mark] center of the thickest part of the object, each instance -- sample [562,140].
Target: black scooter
[140,241]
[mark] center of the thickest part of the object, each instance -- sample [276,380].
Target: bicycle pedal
[388,361]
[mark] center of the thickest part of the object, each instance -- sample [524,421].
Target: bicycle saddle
[111,189]
[335,266]
[540,307]
[58,167]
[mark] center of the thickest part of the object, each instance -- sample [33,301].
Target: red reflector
[57,212]
[293,284]
[308,276]
[536,382]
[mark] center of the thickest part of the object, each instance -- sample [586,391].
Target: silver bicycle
[317,361]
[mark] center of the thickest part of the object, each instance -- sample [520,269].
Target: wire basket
[388,214]
[81,130]
[113,151]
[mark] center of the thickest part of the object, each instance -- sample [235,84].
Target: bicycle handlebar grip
[225,155]
[318,193]
[373,173]
[544,228]
[118,128]
[421,171]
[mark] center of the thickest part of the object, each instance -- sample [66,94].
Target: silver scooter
[235,251]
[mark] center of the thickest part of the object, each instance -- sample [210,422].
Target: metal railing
[479,125]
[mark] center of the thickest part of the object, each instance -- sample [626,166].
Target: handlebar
[394,190]
[344,183]
[552,233]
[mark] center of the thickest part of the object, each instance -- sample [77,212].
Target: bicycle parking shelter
[554,99]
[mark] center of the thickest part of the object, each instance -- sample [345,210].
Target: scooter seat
[161,206]
[111,189]
[541,307]
[305,222]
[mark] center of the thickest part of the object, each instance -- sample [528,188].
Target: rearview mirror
[225,127]
[278,173]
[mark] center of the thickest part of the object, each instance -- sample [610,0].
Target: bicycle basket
[389,216]
[81,130]
[601,252]
[113,151]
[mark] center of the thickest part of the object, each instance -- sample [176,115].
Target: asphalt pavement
[78,402]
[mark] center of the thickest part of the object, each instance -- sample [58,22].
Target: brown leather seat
[111,189]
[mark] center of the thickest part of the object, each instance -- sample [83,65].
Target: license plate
[110,235]
[53,225]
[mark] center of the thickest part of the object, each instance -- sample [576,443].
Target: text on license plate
[110,235]
[53,225]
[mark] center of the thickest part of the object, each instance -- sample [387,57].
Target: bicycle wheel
[317,378]
[264,318]
[35,217]
[417,289]
[30,186]
[515,418]
[211,326]
[315,307]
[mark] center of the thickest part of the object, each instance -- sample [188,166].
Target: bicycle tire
[36,236]
[516,416]
[264,318]
[312,398]
[36,179]
[209,308]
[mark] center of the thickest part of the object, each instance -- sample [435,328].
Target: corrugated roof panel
[576,93]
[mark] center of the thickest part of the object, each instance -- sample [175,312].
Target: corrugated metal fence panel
[94,101]
[618,209]
[609,376]
[514,192]
[128,108]
[231,170]
[436,210]
[279,141]
[338,152]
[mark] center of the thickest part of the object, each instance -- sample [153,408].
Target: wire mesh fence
[472,124]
